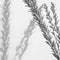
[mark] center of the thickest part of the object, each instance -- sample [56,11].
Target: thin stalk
[5,31]
[21,48]
[56,29]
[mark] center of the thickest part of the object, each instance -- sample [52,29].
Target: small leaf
[48,43]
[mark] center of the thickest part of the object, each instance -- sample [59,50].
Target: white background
[19,21]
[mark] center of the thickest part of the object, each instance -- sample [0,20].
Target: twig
[21,48]
[5,31]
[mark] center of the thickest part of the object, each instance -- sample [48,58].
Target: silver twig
[5,31]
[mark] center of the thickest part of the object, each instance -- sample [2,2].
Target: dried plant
[5,31]
[20,49]
[50,32]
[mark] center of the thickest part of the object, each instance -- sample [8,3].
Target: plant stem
[21,48]
[5,31]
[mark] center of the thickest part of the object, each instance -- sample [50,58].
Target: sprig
[52,37]
[5,31]
[21,48]
[56,29]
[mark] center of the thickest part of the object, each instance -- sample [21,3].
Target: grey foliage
[52,37]
[21,48]
[5,31]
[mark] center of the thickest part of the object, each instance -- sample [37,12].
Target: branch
[5,31]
